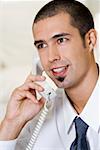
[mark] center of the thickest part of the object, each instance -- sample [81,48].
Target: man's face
[61,50]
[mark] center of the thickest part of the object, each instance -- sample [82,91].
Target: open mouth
[60,71]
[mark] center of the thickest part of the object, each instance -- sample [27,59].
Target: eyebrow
[60,35]
[54,37]
[37,42]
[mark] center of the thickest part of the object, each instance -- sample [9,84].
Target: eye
[41,45]
[62,40]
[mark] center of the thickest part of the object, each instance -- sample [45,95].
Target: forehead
[53,25]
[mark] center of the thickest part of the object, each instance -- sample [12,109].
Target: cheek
[81,62]
[68,52]
[72,51]
[78,56]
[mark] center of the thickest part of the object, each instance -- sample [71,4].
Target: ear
[91,38]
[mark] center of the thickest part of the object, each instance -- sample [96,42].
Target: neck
[80,94]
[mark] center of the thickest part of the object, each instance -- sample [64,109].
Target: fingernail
[41,89]
[43,77]
[36,101]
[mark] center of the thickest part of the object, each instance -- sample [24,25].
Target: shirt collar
[90,113]
[69,113]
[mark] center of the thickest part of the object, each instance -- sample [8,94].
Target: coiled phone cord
[39,125]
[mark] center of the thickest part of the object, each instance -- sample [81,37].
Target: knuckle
[15,90]
[30,77]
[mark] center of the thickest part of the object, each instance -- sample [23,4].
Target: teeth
[59,69]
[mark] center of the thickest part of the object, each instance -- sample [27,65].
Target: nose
[53,54]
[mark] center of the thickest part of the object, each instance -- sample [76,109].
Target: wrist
[10,129]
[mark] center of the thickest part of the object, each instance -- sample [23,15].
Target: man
[65,38]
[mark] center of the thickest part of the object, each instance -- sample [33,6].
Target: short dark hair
[81,17]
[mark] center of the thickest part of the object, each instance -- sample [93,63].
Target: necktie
[80,143]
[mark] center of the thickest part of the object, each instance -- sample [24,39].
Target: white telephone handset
[49,86]
[49,94]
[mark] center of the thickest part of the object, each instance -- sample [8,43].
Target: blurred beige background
[17,53]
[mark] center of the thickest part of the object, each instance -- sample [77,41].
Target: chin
[59,84]
[63,84]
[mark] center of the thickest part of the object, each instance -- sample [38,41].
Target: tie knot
[81,127]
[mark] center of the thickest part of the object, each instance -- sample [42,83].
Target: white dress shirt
[58,131]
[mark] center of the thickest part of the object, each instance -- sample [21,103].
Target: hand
[23,106]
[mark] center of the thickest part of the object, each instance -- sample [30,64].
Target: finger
[31,85]
[34,78]
[26,95]
[42,100]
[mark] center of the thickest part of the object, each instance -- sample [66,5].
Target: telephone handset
[49,86]
[49,94]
